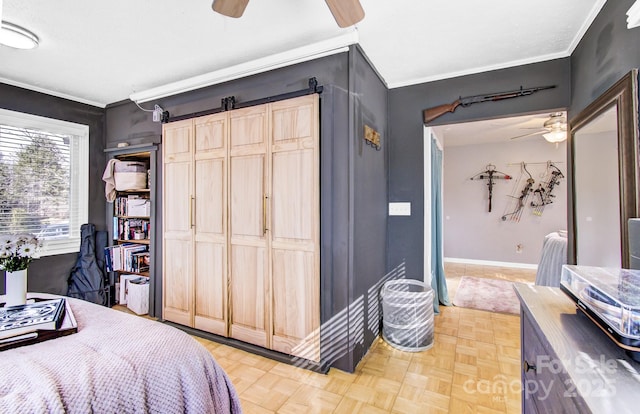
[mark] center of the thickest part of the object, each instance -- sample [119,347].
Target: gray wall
[369,242]
[49,274]
[470,231]
[405,234]
[607,51]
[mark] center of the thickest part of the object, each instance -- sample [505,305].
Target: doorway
[481,242]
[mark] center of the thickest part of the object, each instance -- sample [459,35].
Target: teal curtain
[438,281]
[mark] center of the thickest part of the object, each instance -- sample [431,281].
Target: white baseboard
[491,263]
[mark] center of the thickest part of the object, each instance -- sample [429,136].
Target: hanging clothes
[110,180]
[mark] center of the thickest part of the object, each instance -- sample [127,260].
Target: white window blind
[43,179]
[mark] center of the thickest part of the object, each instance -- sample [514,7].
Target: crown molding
[317,50]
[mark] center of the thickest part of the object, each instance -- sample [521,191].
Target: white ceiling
[101,52]
[502,130]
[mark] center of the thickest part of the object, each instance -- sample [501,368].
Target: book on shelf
[131,229]
[124,257]
[132,205]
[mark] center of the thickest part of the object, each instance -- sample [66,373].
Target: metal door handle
[191,207]
[264,214]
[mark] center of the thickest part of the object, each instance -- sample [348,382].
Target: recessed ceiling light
[17,37]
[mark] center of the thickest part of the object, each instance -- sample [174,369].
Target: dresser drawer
[546,387]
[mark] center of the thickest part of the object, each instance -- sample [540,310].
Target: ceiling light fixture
[17,37]
[557,127]
[555,136]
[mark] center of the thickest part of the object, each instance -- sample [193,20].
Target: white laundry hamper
[407,314]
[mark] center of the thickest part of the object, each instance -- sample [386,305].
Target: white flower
[6,240]
[17,251]
[27,250]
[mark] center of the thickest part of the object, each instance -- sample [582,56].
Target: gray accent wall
[369,241]
[606,52]
[405,234]
[49,274]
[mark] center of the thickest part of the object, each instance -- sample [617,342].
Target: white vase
[16,287]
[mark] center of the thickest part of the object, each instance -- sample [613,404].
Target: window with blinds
[43,179]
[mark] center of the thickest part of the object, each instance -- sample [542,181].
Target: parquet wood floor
[473,367]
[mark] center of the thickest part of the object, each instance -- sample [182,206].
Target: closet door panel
[295,227]
[247,207]
[177,289]
[248,259]
[210,229]
[292,120]
[247,128]
[210,289]
[248,294]
[210,201]
[296,329]
[210,133]
[177,141]
[176,247]
[293,191]
[177,199]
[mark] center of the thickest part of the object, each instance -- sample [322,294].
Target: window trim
[79,172]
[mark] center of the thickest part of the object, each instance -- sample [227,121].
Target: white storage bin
[130,175]
[138,295]
[407,314]
[140,207]
[124,287]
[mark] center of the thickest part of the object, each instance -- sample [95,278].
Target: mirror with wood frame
[603,184]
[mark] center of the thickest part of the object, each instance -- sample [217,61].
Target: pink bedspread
[115,363]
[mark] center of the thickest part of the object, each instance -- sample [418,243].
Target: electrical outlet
[399,209]
[518,248]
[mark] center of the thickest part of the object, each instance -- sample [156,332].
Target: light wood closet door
[295,227]
[210,230]
[177,219]
[248,260]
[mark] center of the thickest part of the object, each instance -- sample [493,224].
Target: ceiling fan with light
[553,129]
[346,12]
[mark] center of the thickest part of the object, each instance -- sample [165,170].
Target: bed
[115,363]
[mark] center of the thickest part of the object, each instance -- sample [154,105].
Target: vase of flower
[16,287]
[16,253]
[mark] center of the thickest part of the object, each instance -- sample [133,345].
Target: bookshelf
[131,219]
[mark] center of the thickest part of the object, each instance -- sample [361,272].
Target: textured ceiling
[102,52]
[502,130]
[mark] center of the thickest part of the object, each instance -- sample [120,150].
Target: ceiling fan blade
[346,12]
[530,134]
[230,8]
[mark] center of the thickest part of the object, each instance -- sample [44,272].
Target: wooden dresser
[569,365]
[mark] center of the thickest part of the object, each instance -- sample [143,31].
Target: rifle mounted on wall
[437,111]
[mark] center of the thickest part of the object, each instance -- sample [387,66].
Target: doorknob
[526,366]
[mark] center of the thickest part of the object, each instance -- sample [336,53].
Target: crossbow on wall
[491,174]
